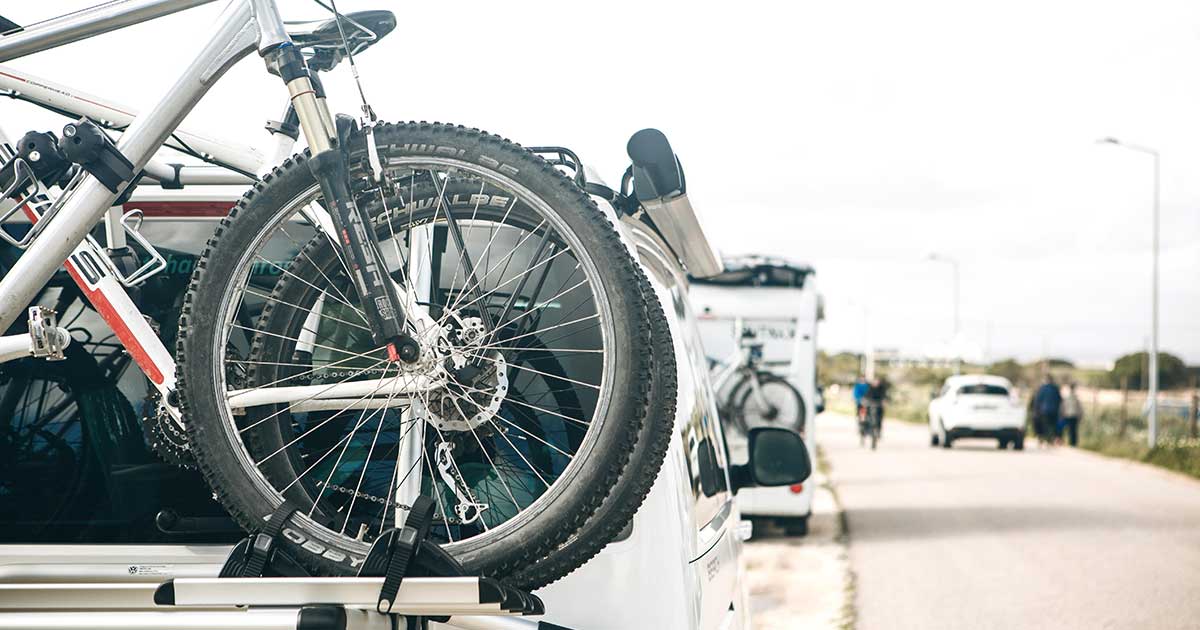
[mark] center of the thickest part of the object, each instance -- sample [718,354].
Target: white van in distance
[776,301]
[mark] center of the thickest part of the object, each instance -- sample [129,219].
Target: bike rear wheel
[530,393]
[781,404]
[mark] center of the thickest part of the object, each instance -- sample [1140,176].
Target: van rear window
[985,389]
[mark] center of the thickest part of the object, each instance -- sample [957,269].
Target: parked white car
[977,405]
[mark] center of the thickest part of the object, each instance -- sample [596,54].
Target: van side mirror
[778,457]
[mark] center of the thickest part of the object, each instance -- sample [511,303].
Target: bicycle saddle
[323,42]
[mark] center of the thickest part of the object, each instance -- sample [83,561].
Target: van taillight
[797,488]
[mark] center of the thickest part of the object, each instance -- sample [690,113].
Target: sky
[859,136]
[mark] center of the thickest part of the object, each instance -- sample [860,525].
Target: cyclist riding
[873,400]
[860,390]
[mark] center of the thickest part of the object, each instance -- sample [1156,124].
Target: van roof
[972,379]
[760,271]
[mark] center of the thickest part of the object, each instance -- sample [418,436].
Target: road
[974,537]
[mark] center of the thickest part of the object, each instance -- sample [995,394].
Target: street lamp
[1153,358]
[936,257]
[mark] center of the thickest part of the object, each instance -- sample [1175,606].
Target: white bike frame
[63,238]
[738,362]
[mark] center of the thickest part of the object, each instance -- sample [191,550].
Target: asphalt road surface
[974,537]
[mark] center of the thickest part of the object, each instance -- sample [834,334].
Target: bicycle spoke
[289,273]
[306,372]
[367,461]
[548,328]
[532,468]
[511,280]
[467,266]
[486,253]
[527,432]
[544,304]
[297,339]
[307,310]
[316,395]
[512,297]
[332,285]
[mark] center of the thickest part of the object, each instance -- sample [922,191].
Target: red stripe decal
[182,209]
[131,343]
[106,310]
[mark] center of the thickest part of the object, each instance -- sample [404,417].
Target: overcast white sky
[857,135]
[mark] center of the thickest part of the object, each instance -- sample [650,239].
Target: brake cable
[369,118]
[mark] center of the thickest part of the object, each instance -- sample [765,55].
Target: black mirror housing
[778,457]
[656,169]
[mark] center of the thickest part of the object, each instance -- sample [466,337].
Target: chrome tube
[309,111]
[195,175]
[235,36]
[87,23]
[681,228]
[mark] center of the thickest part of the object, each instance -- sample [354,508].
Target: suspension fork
[359,245]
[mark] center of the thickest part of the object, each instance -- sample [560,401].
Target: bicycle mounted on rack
[380,217]
[357,292]
[754,396]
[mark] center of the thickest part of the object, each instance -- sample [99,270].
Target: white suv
[977,406]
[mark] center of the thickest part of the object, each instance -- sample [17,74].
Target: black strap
[262,545]
[403,545]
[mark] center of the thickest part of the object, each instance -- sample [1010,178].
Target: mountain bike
[757,398]
[400,310]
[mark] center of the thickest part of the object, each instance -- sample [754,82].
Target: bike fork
[355,237]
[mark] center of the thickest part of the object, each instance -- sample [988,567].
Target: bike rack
[240,597]
[271,603]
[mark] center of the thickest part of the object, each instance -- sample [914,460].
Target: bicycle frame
[740,361]
[244,26]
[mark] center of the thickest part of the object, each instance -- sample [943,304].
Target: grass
[1101,432]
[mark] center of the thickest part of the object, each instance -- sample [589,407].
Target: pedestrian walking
[1071,411]
[1046,403]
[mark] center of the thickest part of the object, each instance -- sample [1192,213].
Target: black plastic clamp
[84,143]
[252,556]
[395,550]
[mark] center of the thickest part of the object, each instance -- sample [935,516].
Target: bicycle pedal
[48,340]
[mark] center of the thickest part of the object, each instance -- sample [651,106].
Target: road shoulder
[803,582]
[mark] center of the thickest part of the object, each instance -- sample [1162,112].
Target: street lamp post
[957,322]
[1153,358]
[868,363]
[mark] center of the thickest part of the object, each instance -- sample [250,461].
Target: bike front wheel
[520,413]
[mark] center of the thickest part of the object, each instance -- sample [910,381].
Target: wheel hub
[476,380]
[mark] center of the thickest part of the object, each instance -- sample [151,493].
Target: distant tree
[837,368]
[928,377]
[1057,362]
[1172,372]
[1009,369]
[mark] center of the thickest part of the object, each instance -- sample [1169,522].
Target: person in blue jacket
[861,386]
[1046,403]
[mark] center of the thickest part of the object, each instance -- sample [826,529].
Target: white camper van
[773,302]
